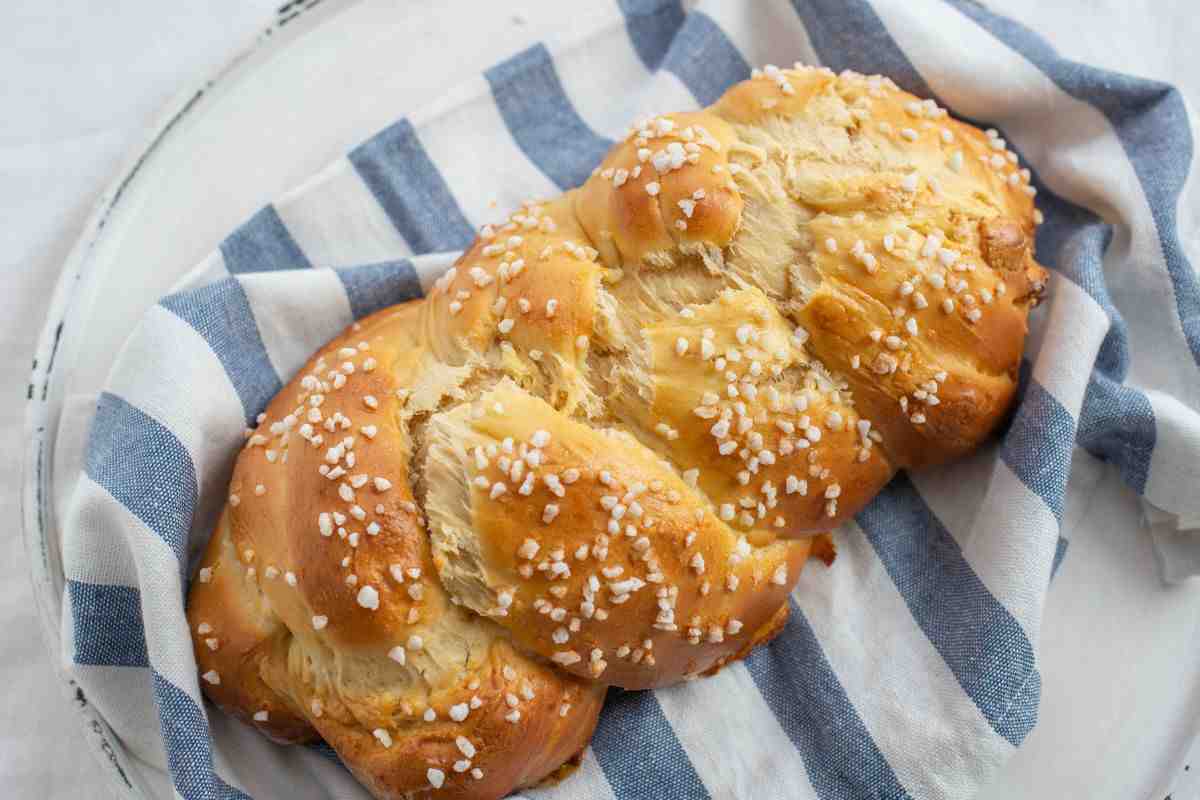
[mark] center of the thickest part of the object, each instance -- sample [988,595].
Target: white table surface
[83,80]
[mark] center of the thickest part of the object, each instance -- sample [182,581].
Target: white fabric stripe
[993,517]
[765,32]
[153,777]
[296,314]
[586,783]
[954,492]
[609,100]
[1075,326]
[193,372]
[958,495]
[1011,546]
[245,758]
[768,764]
[124,696]
[1174,468]
[337,222]
[431,267]
[1063,141]
[208,425]
[163,615]
[95,559]
[210,270]
[664,93]
[464,136]
[160,588]
[70,449]
[889,669]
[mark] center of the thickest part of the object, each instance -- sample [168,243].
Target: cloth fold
[909,669]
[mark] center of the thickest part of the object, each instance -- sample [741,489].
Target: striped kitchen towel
[908,669]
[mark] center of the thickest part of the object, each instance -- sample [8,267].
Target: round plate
[326,75]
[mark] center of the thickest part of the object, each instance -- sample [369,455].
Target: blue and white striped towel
[910,668]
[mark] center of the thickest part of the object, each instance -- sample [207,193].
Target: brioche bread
[602,448]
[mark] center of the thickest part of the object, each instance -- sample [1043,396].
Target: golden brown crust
[772,450]
[297,639]
[230,648]
[485,755]
[633,207]
[601,450]
[614,569]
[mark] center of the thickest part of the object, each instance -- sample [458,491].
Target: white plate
[327,75]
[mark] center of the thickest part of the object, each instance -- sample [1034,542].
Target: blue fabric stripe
[702,56]
[542,119]
[658,766]
[1038,446]
[108,625]
[189,748]
[1116,422]
[1060,547]
[138,461]
[220,312]
[262,244]
[394,165]
[374,287]
[848,34]
[1073,241]
[1117,425]
[1022,713]
[652,25]
[1150,121]
[981,642]
[799,685]
[1060,552]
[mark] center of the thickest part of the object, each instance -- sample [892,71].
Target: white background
[82,81]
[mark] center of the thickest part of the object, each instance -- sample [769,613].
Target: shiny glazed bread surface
[603,447]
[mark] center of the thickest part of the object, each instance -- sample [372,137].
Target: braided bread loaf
[602,448]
